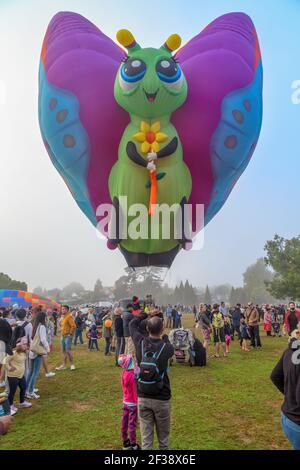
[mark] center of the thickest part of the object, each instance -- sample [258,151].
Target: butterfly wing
[220,122]
[80,121]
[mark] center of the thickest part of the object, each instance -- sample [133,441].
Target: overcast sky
[46,240]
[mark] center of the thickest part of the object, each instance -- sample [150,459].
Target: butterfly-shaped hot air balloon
[152,125]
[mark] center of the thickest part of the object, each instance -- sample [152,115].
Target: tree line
[276,277]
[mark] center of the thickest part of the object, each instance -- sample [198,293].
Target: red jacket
[286,321]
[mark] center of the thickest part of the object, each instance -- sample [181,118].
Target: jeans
[78,334]
[107,345]
[92,342]
[14,382]
[292,431]
[236,328]
[254,334]
[120,348]
[34,370]
[154,414]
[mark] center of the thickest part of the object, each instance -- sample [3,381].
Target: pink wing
[81,123]
[222,65]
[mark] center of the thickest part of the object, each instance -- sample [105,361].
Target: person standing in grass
[129,409]
[236,321]
[15,366]
[39,347]
[119,332]
[204,324]
[286,377]
[244,335]
[292,318]
[268,320]
[153,385]
[79,328]
[93,337]
[108,334]
[218,330]
[68,327]
[252,319]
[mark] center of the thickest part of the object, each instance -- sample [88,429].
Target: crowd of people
[135,335]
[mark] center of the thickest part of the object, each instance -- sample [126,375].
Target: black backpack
[150,380]
[18,333]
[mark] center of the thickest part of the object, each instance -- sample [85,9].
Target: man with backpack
[23,329]
[153,386]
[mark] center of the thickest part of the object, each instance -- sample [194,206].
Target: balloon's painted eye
[133,70]
[168,70]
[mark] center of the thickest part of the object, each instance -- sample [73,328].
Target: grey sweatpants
[154,413]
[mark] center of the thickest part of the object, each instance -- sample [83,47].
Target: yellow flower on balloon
[150,137]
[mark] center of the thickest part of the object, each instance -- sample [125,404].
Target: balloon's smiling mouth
[151,96]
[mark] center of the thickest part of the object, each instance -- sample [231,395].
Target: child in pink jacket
[129,409]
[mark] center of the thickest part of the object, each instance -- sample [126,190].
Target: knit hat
[126,361]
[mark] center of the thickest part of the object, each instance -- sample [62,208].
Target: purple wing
[220,122]
[80,120]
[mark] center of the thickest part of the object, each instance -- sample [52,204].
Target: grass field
[230,404]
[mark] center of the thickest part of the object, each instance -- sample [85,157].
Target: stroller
[183,342]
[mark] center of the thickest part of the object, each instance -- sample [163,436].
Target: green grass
[230,404]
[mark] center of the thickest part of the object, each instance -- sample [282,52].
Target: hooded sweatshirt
[286,377]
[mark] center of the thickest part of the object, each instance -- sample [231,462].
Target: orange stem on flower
[153,193]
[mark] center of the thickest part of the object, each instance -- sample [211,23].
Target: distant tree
[39,291]
[255,279]
[54,294]
[221,293]
[7,283]
[207,296]
[232,297]
[283,256]
[98,291]
[122,289]
[238,295]
[70,289]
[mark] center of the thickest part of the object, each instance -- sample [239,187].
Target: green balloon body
[150,101]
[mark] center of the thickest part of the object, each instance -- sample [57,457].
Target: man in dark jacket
[286,377]
[119,332]
[236,320]
[154,409]
[79,328]
[292,318]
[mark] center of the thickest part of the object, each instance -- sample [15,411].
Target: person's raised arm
[134,328]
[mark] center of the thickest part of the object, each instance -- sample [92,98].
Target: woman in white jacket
[39,328]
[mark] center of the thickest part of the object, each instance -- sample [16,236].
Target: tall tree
[255,279]
[283,256]
[98,291]
[71,289]
[7,283]
[207,296]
